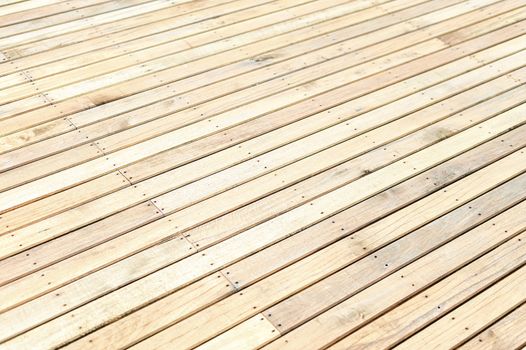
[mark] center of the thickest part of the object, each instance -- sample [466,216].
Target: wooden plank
[390,291]
[255,48]
[85,11]
[63,201]
[213,173]
[30,118]
[64,298]
[84,263]
[196,210]
[252,333]
[484,27]
[483,9]
[172,121]
[60,161]
[76,74]
[13,79]
[47,77]
[251,269]
[224,227]
[175,306]
[42,33]
[9,2]
[63,269]
[216,183]
[504,334]
[141,115]
[437,299]
[3,57]
[47,11]
[124,77]
[216,257]
[272,24]
[430,185]
[313,300]
[473,315]
[77,241]
[160,163]
[214,61]
[240,17]
[116,31]
[235,309]
[256,76]
[41,132]
[395,128]
[118,159]
[126,196]
[26,5]
[368,211]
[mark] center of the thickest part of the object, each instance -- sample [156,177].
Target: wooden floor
[275,174]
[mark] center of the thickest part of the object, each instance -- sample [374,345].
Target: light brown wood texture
[262,174]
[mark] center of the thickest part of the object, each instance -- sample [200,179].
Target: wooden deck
[275,174]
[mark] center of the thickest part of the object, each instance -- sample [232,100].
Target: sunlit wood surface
[275,174]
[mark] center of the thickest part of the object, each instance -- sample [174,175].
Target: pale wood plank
[77,241]
[201,209]
[177,247]
[141,115]
[336,288]
[271,259]
[97,35]
[198,210]
[94,168]
[15,94]
[473,315]
[13,79]
[431,185]
[270,25]
[287,281]
[506,333]
[268,233]
[25,5]
[484,27]
[215,183]
[410,163]
[43,33]
[47,77]
[103,96]
[62,201]
[264,45]
[125,194]
[344,317]
[251,334]
[172,308]
[88,9]
[40,132]
[57,162]
[168,20]
[374,207]
[226,226]
[158,164]
[436,301]
[147,70]
[170,122]
[239,17]
[47,11]
[408,244]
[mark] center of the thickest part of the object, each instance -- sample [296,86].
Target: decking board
[262,174]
